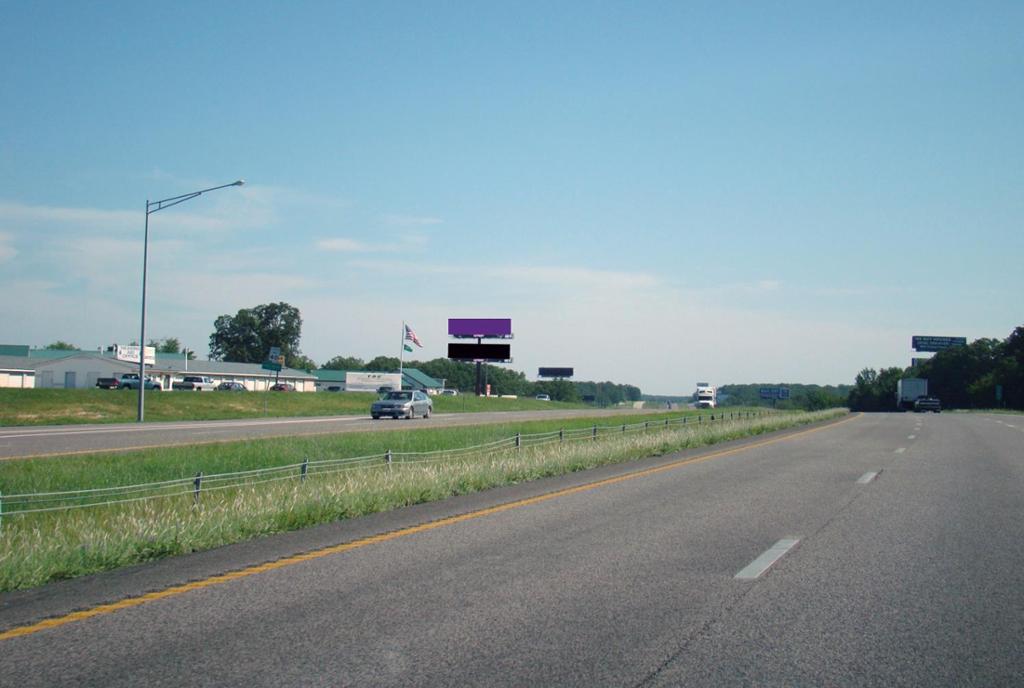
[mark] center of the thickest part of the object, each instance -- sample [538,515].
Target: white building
[15,373]
[81,370]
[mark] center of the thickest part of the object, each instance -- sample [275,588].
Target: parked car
[927,404]
[385,389]
[543,397]
[450,392]
[407,404]
[231,387]
[131,381]
[282,387]
[194,383]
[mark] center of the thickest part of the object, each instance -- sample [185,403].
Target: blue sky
[655,193]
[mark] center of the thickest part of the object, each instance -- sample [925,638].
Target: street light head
[240,182]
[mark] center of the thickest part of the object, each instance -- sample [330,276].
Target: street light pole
[152,207]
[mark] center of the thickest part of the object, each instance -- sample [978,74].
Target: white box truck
[909,390]
[707,396]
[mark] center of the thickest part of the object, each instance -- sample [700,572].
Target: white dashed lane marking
[755,568]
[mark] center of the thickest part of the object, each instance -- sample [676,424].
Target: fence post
[305,467]
[561,434]
[595,432]
[666,422]
[646,425]
[519,441]
[684,420]
[387,458]
[1,512]
[623,428]
[198,486]
[700,419]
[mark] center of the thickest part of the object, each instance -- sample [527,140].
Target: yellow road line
[386,537]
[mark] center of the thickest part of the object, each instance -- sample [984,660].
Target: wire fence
[13,505]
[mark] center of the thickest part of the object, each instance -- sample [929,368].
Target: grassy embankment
[72,406]
[38,548]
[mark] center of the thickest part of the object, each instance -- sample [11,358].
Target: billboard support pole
[479,369]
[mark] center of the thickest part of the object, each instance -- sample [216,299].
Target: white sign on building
[130,353]
[371,382]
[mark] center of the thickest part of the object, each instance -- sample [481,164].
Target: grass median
[77,406]
[39,548]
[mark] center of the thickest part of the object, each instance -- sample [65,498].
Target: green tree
[248,336]
[302,362]
[875,391]
[384,364]
[170,345]
[344,363]
[61,345]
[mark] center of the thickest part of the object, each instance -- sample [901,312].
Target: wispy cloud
[411,220]
[97,219]
[347,245]
[566,276]
[6,250]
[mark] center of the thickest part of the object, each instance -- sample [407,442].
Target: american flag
[411,336]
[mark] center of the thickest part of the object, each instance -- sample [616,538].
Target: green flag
[407,348]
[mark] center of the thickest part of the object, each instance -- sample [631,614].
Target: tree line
[247,336]
[986,373]
[801,396]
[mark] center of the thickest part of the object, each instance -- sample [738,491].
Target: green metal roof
[13,349]
[327,375]
[418,379]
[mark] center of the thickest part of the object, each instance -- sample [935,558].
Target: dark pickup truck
[108,382]
[127,381]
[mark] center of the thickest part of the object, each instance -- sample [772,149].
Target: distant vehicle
[131,381]
[922,404]
[282,387]
[194,383]
[408,404]
[909,390]
[543,397]
[707,395]
[385,389]
[110,382]
[231,387]
[334,388]
[449,392]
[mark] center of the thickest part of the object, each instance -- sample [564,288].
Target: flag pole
[401,357]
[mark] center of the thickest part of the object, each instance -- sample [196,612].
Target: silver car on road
[405,404]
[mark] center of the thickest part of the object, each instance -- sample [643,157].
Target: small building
[413,378]
[81,369]
[330,380]
[16,373]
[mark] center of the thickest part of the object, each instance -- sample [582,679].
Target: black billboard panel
[554,372]
[479,352]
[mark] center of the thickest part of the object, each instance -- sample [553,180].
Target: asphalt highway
[20,442]
[881,550]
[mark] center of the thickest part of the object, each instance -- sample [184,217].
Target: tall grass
[39,548]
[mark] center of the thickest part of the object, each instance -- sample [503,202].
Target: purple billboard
[484,328]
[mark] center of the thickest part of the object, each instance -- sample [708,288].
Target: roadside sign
[774,392]
[929,343]
[274,359]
